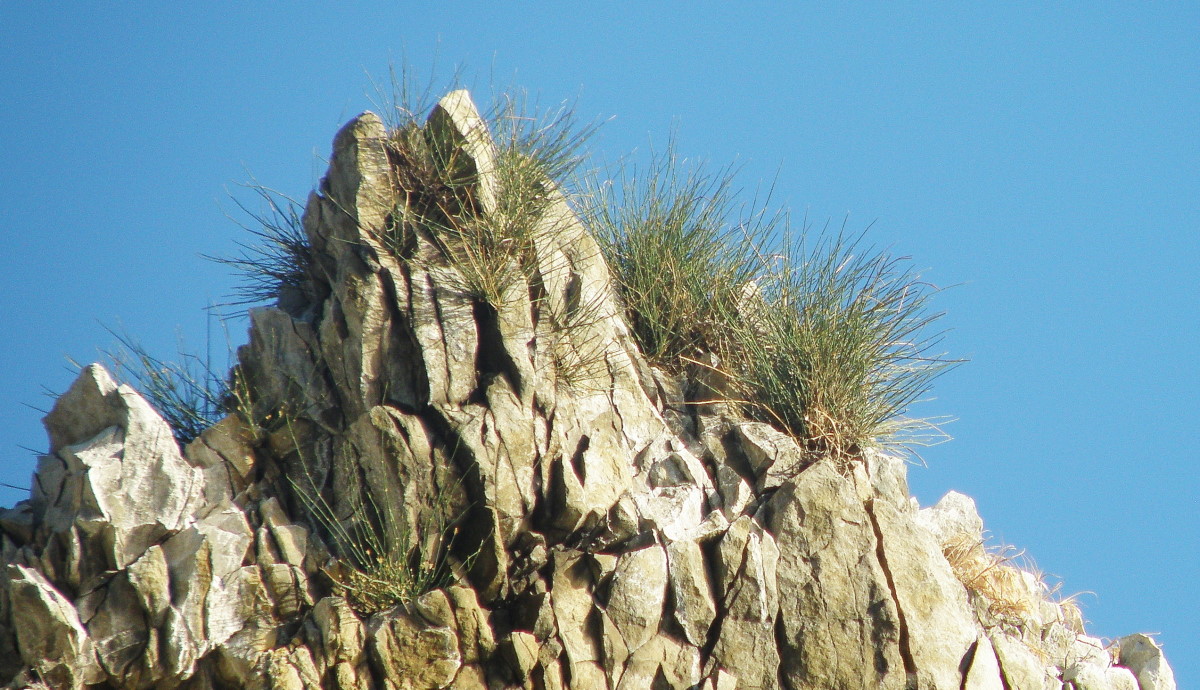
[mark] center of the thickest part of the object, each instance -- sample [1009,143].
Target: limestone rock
[1145,659]
[528,501]
[411,653]
[637,595]
[952,516]
[695,609]
[50,637]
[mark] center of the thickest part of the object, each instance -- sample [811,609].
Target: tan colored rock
[939,624]
[747,593]
[50,637]
[773,455]
[523,649]
[125,487]
[1020,666]
[1145,659]
[983,672]
[476,640]
[662,660]
[411,653]
[839,609]
[609,533]
[290,669]
[637,595]
[695,609]
[461,136]
[571,598]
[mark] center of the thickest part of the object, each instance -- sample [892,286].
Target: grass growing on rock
[831,344]
[679,255]
[487,232]
[277,257]
[1014,595]
[812,332]
[381,559]
[187,392]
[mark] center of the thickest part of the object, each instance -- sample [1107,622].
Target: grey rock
[410,652]
[954,515]
[50,637]
[695,609]
[747,574]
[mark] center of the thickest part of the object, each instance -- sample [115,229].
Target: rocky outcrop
[425,488]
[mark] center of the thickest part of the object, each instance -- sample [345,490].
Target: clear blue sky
[1046,161]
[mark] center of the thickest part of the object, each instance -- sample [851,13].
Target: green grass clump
[679,256]
[439,195]
[813,332]
[380,559]
[832,345]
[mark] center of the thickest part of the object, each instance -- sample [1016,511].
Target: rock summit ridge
[433,482]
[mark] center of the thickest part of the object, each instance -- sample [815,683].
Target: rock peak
[451,466]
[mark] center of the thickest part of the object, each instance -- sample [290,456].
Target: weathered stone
[476,641]
[1145,659]
[462,140]
[953,516]
[773,456]
[50,636]
[637,595]
[17,522]
[522,650]
[691,591]
[411,653]
[736,493]
[663,660]
[839,611]
[290,669]
[126,486]
[1100,678]
[1020,666]
[938,625]
[748,595]
[982,670]
[606,521]
[571,598]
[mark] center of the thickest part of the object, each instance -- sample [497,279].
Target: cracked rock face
[603,534]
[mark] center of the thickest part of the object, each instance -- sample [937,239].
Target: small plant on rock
[383,557]
[679,254]
[277,259]
[189,394]
[831,345]
[486,229]
[817,335]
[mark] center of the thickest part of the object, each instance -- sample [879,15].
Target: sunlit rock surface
[609,535]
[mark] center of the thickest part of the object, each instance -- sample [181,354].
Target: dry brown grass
[1010,585]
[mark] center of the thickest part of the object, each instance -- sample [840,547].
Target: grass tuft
[277,259]
[831,343]
[811,332]
[380,560]
[678,253]
[1011,588]
[187,391]
[440,196]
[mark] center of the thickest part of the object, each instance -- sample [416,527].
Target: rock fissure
[902,632]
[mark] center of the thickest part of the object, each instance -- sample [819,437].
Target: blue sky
[1044,161]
